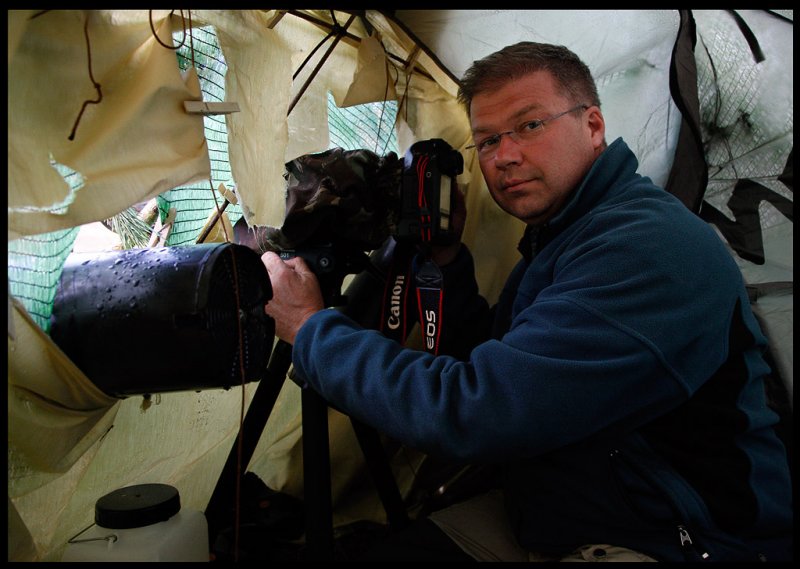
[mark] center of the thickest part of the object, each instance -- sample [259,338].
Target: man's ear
[597,127]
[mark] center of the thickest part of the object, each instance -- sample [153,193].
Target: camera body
[341,203]
[427,193]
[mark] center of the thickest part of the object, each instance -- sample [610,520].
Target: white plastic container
[142,523]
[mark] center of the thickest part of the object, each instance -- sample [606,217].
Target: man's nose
[509,151]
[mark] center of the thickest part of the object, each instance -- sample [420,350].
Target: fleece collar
[616,162]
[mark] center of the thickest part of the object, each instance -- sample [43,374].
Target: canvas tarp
[138,142]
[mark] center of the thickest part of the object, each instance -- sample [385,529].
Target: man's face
[533,181]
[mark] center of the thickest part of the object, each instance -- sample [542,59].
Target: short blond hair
[517,60]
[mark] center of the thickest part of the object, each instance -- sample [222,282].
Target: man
[621,387]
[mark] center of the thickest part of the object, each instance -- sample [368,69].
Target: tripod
[316,454]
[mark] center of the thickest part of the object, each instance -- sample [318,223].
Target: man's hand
[295,294]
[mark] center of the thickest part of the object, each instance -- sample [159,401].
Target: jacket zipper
[687,544]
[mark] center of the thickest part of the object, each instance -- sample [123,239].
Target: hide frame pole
[320,64]
[355,41]
[347,37]
[390,16]
[279,14]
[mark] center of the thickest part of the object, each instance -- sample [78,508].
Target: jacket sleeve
[503,401]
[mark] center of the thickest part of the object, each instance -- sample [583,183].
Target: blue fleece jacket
[622,388]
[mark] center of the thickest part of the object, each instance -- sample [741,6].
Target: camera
[427,193]
[342,203]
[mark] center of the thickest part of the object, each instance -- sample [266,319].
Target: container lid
[137,506]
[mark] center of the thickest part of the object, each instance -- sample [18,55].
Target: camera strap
[395,309]
[410,271]
[428,279]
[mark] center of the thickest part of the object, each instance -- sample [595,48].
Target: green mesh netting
[34,267]
[193,204]
[35,263]
[369,126]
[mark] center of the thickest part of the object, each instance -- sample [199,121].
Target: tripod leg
[317,477]
[381,473]
[221,508]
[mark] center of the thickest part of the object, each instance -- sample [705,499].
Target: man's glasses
[524,134]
